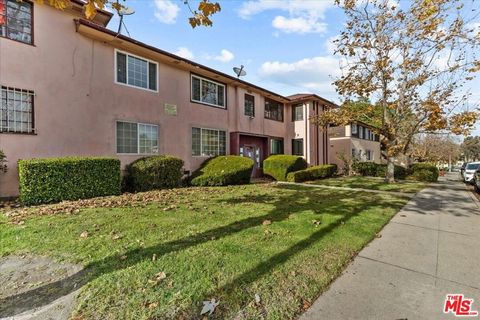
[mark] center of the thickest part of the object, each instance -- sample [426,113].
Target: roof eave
[231,79]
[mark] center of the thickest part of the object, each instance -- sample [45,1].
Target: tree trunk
[390,177]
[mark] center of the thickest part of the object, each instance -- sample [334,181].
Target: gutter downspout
[307,154]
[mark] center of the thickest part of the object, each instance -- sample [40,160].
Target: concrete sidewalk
[430,248]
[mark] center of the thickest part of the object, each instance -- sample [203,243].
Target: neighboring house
[355,140]
[309,140]
[72,87]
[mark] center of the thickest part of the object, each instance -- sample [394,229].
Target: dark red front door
[255,148]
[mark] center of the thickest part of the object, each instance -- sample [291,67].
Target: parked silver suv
[470,169]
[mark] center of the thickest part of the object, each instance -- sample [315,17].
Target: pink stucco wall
[339,146]
[77,101]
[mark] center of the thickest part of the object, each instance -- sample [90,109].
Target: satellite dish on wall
[125,11]
[239,71]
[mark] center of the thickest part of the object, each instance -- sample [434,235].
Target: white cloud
[166,11]
[224,56]
[184,52]
[298,25]
[303,16]
[330,44]
[315,74]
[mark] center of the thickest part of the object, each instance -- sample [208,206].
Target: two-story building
[355,140]
[72,87]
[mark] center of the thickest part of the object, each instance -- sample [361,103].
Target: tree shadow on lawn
[369,183]
[283,207]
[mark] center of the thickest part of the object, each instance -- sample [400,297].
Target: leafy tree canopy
[471,148]
[407,65]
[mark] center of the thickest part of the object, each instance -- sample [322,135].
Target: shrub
[3,162]
[365,168]
[155,172]
[424,175]
[313,173]
[278,166]
[378,170]
[398,171]
[421,167]
[222,171]
[71,178]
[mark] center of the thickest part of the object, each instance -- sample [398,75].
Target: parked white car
[469,173]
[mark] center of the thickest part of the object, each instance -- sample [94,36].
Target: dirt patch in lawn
[24,280]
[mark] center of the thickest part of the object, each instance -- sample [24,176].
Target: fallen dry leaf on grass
[84,234]
[267,222]
[167,196]
[150,305]
[117,237]
[306,305]
[158,278]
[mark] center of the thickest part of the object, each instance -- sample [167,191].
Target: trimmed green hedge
[373,169]
[278,166]
[398,171]
[415,168]
[57,179]
[313,173]
[222,171]
[3,162]
[155,172]
[424,175]
[379,170]
[366,168]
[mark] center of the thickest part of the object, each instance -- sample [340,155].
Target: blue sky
[285,45]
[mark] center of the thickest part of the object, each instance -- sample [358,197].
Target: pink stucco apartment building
[72,87]
[355,140]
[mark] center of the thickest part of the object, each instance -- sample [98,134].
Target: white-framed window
[297,112]
[16,110]
[135,71]
[208,142]
[208,92]
[136,138]
[369,155]
[354,128]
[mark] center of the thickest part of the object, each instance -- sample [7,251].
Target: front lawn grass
[372,183]
[284,243]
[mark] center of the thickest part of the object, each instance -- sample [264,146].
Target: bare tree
[434,148]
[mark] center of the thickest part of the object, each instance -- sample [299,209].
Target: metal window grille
[16,110]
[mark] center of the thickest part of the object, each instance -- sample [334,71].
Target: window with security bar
[16,110]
